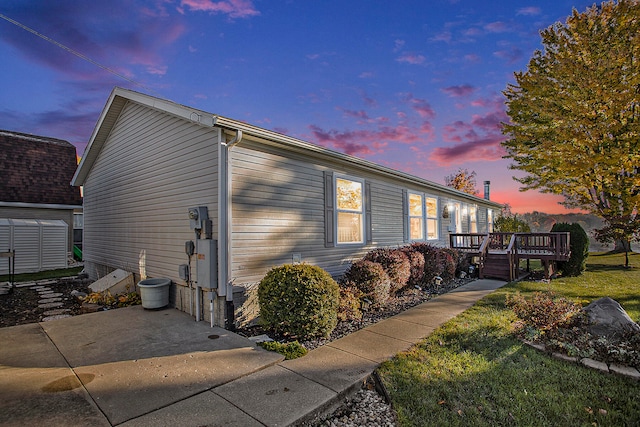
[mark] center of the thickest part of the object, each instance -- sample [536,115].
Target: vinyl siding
[278,211]
[151,169]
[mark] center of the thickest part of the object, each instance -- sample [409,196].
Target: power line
[74,52]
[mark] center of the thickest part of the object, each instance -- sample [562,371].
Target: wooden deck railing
[547,247]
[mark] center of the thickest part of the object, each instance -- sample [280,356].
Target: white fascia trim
[38,205]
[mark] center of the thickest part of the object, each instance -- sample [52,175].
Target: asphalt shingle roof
[37,169]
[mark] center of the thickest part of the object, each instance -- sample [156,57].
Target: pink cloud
[457,91]
[531,10]
[444,36]
[472,57]
[411,58]
[487,148]
[497,27]
[421,106]
[233,8]
[510,55]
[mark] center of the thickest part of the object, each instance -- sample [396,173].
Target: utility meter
[197,217]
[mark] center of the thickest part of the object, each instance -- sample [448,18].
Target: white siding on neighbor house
[65,215]
[38,245]
[151,169]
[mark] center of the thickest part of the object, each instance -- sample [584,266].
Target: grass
[42,275]
[472,371]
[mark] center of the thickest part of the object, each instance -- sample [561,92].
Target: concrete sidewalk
[134,367]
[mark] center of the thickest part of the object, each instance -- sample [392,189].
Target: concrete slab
[276,396]
[204,409]
[46,397]
[428,317]
[370,345]
[134,333]
[401,329]
[483,284]
[27,346]
[116,282]
[332,367]
[128,389]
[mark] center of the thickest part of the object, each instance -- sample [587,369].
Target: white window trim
[427,217]
[409,216]
[363,240]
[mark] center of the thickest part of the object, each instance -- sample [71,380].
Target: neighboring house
[271,198]
[35,184]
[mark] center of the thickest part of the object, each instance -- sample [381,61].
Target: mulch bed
[21,305]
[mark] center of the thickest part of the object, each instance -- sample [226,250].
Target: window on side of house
[490,220]
[433,226]
[473,219]
[416,217]
[349,210]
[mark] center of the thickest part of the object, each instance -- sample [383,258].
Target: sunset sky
[412,85]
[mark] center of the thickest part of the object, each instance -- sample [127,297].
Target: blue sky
[413,85]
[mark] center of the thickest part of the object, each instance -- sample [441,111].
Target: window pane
[349,227]
[349,195]
[432,229]
[432,207]
[415,205]
[415,226]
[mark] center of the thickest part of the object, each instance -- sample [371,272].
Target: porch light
[365,304]
[445,211]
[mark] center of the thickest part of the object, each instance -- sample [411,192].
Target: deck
[499,254]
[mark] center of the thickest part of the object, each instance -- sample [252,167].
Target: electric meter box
[206,263]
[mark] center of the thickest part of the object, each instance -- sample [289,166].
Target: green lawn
[473,371]
[50,274]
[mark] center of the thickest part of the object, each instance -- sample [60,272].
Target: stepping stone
[50,294]
[39,288]
[56,317]
[48,300]
[24,285]
[51,305]
[47,282]
[56,312]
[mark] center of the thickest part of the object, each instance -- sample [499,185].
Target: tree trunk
[622,245]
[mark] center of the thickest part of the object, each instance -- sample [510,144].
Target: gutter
[225,221]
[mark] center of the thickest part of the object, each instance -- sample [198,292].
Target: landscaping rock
[608,318]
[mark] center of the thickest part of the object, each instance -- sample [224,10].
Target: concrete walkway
[134,367]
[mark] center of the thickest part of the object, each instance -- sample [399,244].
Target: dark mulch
[21,305]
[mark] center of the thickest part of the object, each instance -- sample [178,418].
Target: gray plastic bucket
[154,293]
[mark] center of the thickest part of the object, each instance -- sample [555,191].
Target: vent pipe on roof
[486,189]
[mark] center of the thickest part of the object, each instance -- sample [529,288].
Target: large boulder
[607,318]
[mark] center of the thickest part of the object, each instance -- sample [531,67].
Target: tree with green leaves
[575,116]
[463,180]
[509,222]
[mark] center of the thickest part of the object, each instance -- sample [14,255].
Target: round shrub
[446,264]
[395,263]
[370,279]
[349,306]
[432,266]
[299,300]
[579,244]
[416,261]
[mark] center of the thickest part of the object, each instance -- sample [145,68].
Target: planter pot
[154,293]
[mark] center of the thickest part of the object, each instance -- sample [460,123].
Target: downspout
[225,214]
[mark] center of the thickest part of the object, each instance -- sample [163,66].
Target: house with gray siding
[157,175]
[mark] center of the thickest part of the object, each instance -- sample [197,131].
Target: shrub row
[382,273]
[303,301]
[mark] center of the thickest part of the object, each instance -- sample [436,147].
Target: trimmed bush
[544,310]
[349,306]
[446,263]
[369,278]
[431,267]
[299,301]
[395,263]
[416,261]
[579,244]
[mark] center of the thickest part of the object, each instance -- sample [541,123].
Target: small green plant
[290,350]
[299,301]
[369,278]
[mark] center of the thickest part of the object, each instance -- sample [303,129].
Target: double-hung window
[349,210]
[416,216]
[422,216]
[432,217]
[473,219]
